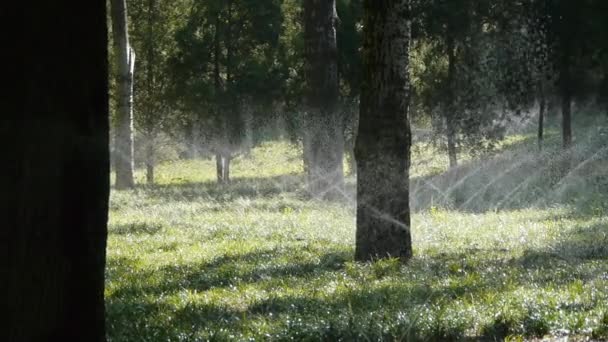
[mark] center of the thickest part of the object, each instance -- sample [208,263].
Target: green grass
[189,260]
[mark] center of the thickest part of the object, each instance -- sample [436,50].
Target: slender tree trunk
[150,161]
[568,12]
[232,123]
[125,61]
[227,159]
[384,138]
[219,167]
[219,93]
[450,105]
[566,97]
[55,186]
[324,126]
[151,121]
[190,152]
[541,119]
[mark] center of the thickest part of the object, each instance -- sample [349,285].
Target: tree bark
[150,122]
[55,188]
[222,167]
[227,159]
[450,106]
[324,126]
[541,118]
[125,61]
[150,162]
[566,97]
[219,167]
[219,94]
[384,138]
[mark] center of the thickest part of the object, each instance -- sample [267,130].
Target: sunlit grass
[190,260]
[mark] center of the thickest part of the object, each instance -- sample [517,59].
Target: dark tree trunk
[227,160]
[450,105]
[384,139]
[55,189]
[566,97]
[324,126]
[541,119]
[125,62]
[219,167]
[568,25]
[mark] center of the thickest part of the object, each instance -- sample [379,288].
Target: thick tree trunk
[450,114]
[125,61]
[55,188]
[324,126]
[384,139]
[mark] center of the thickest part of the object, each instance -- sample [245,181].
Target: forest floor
[512,245]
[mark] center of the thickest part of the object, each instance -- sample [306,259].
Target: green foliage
[227,63]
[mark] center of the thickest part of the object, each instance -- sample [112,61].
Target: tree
[56,187]
[125,63]
[153,25]
[383,143]
[324,139]
[226,58]
[570,39]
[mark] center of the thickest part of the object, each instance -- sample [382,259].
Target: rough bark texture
[383,142]
[324,127]
[54,196]
[125,61]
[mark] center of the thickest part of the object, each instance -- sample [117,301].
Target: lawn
[512,245]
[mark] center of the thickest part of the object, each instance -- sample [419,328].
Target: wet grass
[189,260]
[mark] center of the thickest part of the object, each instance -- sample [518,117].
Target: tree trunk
[219,93]
[222,167]
[567,43]
[125,61]
[450,105]
[219,167]
[566,97]
[541,119]
[226,162]
[324,126]
[384,138]
[150,161]
[55,185]
[452,153]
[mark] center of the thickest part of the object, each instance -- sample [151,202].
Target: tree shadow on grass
[375,301]
[229,270]
[247,188]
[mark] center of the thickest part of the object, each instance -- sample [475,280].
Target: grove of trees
[212,78]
